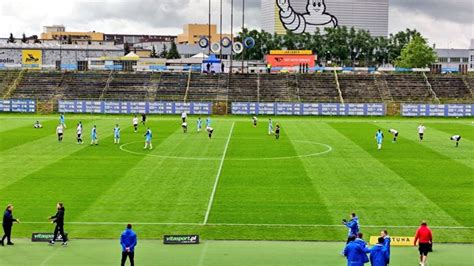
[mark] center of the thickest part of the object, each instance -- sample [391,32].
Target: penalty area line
[211,199]
[255,225]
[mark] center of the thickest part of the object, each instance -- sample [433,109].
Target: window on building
[455,60]
[472,57]
[442,59]
[465,60]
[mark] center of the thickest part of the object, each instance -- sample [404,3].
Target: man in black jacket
[7,224]
[58,219]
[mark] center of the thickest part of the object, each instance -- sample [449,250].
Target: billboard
[308,109]
[31,58]
[440,110]
[299,16]
[124,107]
[290,58]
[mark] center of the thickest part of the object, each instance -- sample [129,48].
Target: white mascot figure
[314,18]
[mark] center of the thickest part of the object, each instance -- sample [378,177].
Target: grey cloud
[460,11]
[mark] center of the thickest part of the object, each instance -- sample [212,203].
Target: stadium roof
[56,46]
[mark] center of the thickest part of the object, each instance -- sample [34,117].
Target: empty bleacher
[127,86]
[359,88]
[85,85]
[243,87]
[317,88]
[408,87]
[38,85]
[7,77]
[172,86]
[449,87]
[203,87]
[274,88]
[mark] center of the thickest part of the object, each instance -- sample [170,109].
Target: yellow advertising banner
[32,58]
[396,240]
[291,52]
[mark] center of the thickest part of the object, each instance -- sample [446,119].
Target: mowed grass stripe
[22,134]
[444,181]
[351,180]
[165,190]
[465,130]
[27,158]
[77,179]
[264,191]
[437,140]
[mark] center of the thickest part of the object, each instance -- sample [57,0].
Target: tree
[416,54]
[23,38]
[126,48]
[164,52]
[11,39]
[153,53]
[173,52]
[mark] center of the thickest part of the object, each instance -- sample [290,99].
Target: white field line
[256,225]
[211,199]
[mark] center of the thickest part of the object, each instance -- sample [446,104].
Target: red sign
[290,60]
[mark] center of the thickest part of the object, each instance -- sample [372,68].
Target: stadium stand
[38,85]
[129,86]
[85,85]
[274,88]
[7,77]
[449,87]
[317,88]
[359,88]
[355,88]
[203,87]
[243,87]
[407,87]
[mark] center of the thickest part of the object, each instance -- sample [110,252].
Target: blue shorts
[148,139]
[379,141]
[117,136]
[94,137]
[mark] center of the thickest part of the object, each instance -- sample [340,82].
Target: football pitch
[242,184]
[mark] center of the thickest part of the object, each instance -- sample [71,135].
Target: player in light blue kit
[116,134]
[148,136]
[208,122]
[94,140]
[199,125]
[62,120]
[379,138]
[270,126]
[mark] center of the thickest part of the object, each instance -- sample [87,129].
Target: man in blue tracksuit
[128,240]
[353,225]
[355,253]
[359,240]
[386,243]
[379,254]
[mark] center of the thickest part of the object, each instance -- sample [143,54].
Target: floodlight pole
[243,34]
[231,33]
[209,28]
[220,37]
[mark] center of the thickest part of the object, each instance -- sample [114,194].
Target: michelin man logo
[315,17]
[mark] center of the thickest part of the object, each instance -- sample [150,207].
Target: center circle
[327,149]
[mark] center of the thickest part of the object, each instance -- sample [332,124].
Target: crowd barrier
[315,109]
[439,110]
[126,107]
[18,106]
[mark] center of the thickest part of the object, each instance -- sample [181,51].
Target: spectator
[386,243]
[354,253]
[128,240]
[378,254]
[424,237]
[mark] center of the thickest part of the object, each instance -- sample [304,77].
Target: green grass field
[242,184]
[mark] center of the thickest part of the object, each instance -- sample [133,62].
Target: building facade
[59,33]
[301,16]
[471,56]
[138,38]
[192,33]
[451,59]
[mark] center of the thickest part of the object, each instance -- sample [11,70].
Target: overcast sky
[448,23]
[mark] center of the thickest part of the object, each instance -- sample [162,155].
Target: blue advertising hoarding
[315,109]
[438,110]
[18,106]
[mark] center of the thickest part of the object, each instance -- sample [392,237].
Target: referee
[58,219]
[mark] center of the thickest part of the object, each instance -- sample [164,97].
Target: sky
[446,23]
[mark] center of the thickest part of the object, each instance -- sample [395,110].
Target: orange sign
[294,52]
[290,60]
